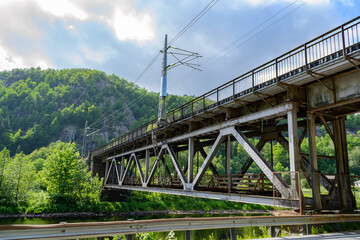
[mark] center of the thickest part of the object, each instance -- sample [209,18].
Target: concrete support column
[315,178]
[228,166]
[347,201]
[293,147]
[191,160]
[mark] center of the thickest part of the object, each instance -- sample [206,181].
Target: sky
[122,36]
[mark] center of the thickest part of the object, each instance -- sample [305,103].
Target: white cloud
[133,26]
[62,9]
[26,26]
[122,16]
[9,60]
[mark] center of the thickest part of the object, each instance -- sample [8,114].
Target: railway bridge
[283,101]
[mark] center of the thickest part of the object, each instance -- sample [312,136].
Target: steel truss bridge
[284,100]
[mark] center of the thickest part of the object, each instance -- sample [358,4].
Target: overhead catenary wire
[216,57]
[132,103]
[188,26]
[251,31]
[194,20]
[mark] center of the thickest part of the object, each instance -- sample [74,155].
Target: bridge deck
[323,56]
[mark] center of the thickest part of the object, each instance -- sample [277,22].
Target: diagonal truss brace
[208,159]
[107,174]
[126,170]
[324,181]
[265,167]
[136,160]
[176,163]
[153,169]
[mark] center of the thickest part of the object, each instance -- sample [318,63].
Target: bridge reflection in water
[283,101]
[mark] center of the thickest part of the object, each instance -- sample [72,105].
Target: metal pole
[130,237]
[122,169]
[162,100]
[83,149]
[308,229]
[271,154]
[314,163]
[191,160]
[232,233]
[228,169]
[147,160]
[293,146]
[187,235]
[272,231]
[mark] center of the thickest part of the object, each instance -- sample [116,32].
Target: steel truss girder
[153,169]
[265,167]
[108,169]
[279,110]
[174,161]
[136,159]
[176,164]
[324,181]
[275,178]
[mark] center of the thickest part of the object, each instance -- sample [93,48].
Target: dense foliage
[66,177]
[61,180]
[38,107]
[55,179]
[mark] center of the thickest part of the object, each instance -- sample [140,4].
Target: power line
[194,20]
[115,112]
[147,67]
[189,25]
[215,58]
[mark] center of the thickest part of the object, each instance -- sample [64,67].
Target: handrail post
[252,81]
[192,108]
[203,103]
[343,41]
[276,71]
[306,60]
[233,85]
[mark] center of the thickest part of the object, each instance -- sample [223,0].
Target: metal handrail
[331,45]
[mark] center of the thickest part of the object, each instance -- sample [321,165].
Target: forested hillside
[38,107]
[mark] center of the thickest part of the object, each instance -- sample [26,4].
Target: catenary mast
[163,86]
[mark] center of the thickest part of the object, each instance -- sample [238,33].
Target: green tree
[19,176]
[4,160]
[67,178]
